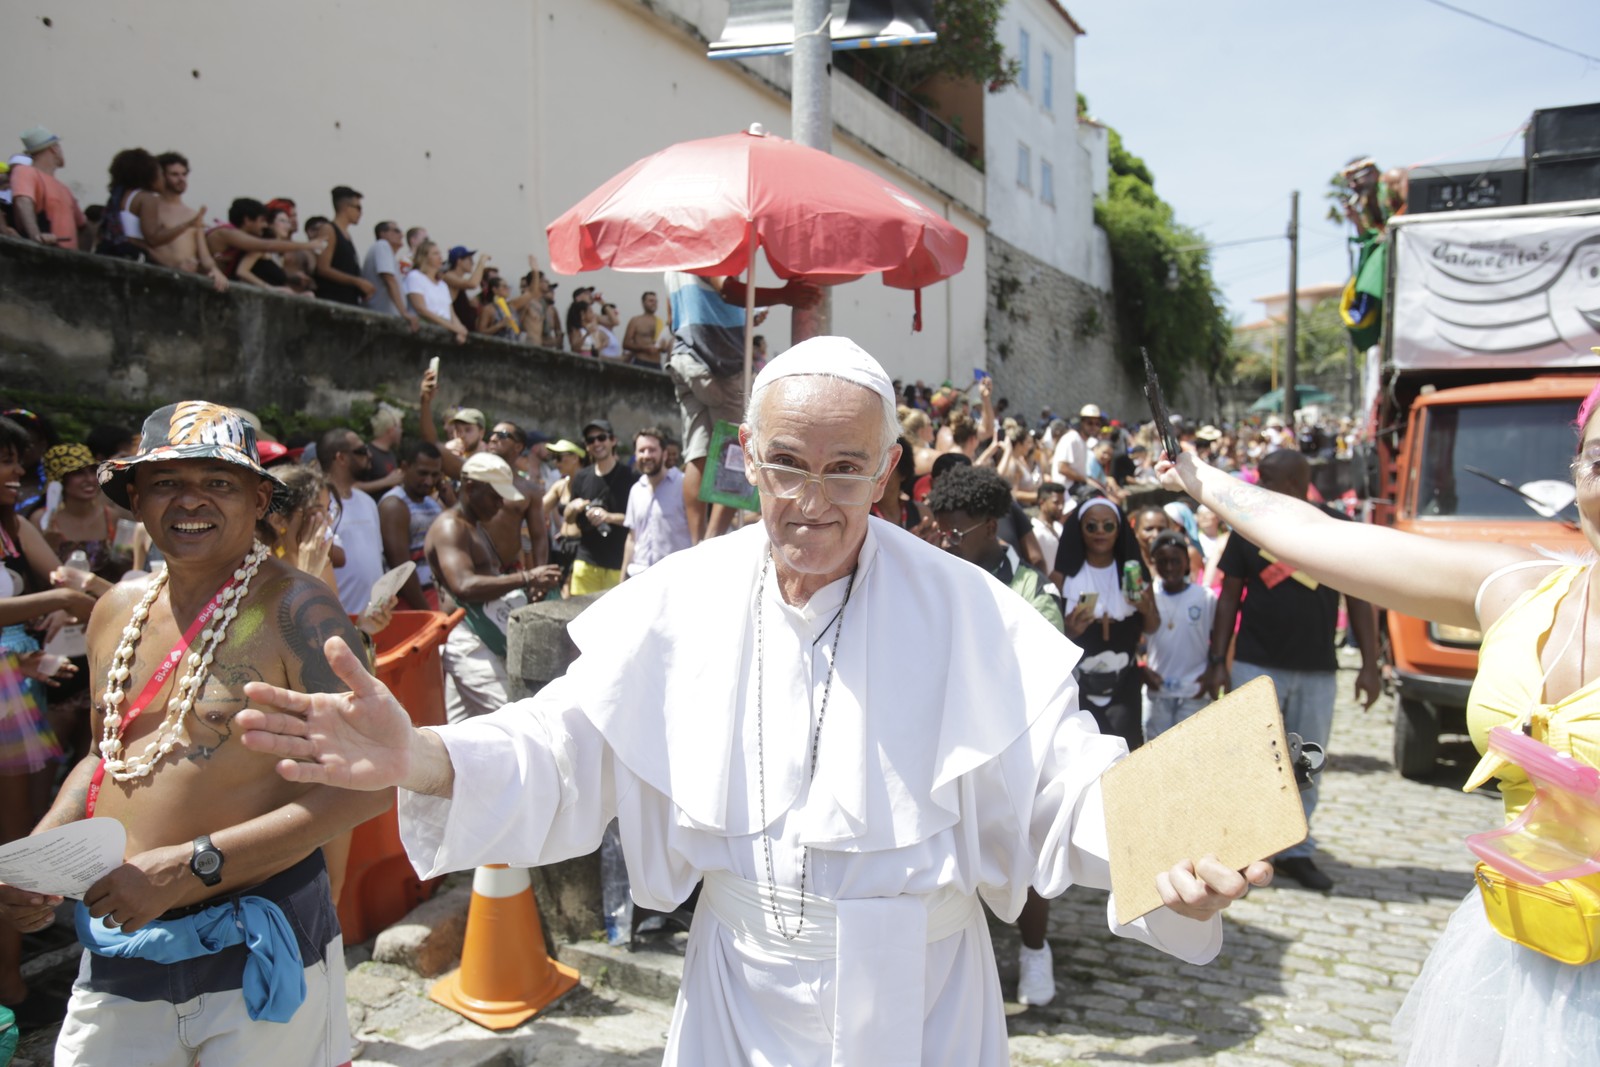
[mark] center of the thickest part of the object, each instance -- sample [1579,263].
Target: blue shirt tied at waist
[274,976]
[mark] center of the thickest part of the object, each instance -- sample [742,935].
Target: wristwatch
[206,863]
[1214,660]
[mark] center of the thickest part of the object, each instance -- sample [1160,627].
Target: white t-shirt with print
[1179,645]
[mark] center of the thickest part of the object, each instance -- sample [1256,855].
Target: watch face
[207,863]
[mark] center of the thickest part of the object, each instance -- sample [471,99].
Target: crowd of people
[265,243]
[1167,605]
[488,515]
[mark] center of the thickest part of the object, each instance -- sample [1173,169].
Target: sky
[1234,103]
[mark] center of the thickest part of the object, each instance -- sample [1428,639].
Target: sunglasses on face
[498,434]
[362,451]
[953,537]
[596,437]
[1102,526]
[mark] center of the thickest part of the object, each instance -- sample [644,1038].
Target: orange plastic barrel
[379,885]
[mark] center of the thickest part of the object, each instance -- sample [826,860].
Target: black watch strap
[206,863]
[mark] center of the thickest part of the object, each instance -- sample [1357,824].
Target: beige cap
[1089,411]
[472,415]
[494,472]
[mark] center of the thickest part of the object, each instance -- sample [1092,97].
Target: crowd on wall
[266,243]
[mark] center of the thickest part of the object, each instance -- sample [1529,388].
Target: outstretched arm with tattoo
[1419,576]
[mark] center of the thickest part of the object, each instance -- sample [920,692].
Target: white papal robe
[946,771]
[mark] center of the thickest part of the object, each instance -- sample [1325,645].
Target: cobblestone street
[1304,978]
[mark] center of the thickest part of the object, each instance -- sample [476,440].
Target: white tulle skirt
[1483,1001]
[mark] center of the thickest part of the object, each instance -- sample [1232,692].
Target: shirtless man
[487,586]
[188,251]
[506,529]
[207,821]
[245,232]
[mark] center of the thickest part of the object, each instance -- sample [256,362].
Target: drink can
[1132,580]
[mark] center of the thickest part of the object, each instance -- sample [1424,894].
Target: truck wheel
[1416,739]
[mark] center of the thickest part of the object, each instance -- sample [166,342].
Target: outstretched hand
[1200,890]
[360,739]
[1182,476]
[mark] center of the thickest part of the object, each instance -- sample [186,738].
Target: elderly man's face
[821,426]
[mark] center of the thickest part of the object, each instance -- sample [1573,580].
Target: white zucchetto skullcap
[836,357]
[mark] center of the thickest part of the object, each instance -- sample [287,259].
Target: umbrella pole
[750,314]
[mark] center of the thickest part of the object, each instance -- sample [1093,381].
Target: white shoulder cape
[940,669]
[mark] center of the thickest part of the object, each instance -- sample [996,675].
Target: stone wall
[1052,343]
[71,322]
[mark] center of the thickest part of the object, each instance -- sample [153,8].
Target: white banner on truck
[1499,292]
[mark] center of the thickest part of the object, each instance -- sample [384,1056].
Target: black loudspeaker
[1564,132]
[1464,186]
[1571,178]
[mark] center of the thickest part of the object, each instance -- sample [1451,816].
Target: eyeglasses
[788,483]
[362,451]
[953,537]
[1104,526]
[596,437]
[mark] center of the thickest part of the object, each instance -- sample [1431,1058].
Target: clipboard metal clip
[1307,759]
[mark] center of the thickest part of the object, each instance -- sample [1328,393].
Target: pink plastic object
[1558,834]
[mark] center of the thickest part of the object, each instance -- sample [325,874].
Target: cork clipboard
[1221,782]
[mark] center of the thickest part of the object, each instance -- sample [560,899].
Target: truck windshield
[1522,442]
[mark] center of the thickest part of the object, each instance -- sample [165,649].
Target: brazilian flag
[1361,306]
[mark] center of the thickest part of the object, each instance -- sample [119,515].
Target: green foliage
[73,415]
[967,48]
[1166,300]
[1323,360]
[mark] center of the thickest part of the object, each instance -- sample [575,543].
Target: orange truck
[1490,321]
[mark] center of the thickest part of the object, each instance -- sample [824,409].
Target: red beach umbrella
[705,207]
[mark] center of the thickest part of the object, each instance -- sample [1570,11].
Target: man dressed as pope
[823,717]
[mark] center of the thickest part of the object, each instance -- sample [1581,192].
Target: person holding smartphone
[1096,548]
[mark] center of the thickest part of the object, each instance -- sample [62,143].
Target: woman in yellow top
[1480,999]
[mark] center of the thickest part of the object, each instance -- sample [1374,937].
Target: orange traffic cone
[505,977]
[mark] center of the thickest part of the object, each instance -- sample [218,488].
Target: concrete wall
[482,123]
[1052,339]
[1062,233]
[71,322]
[1052,344]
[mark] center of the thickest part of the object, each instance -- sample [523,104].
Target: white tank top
[130,222]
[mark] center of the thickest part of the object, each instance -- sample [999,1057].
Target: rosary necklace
[816,738]
[172,731]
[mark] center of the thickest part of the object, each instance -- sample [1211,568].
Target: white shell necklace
[172,733]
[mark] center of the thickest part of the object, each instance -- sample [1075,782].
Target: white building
[481,122]
[1043,164]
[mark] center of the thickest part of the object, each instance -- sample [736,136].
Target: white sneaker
[1036,985]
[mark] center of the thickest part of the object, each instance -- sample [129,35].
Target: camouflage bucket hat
[190,429]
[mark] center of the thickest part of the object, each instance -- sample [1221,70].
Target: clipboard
[1221,782]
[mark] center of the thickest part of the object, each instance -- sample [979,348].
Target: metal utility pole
[1350,394]
[811,117]
[1291,347]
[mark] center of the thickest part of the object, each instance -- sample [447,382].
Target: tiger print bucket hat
[190,429]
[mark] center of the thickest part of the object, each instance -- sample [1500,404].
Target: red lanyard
[151,688]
